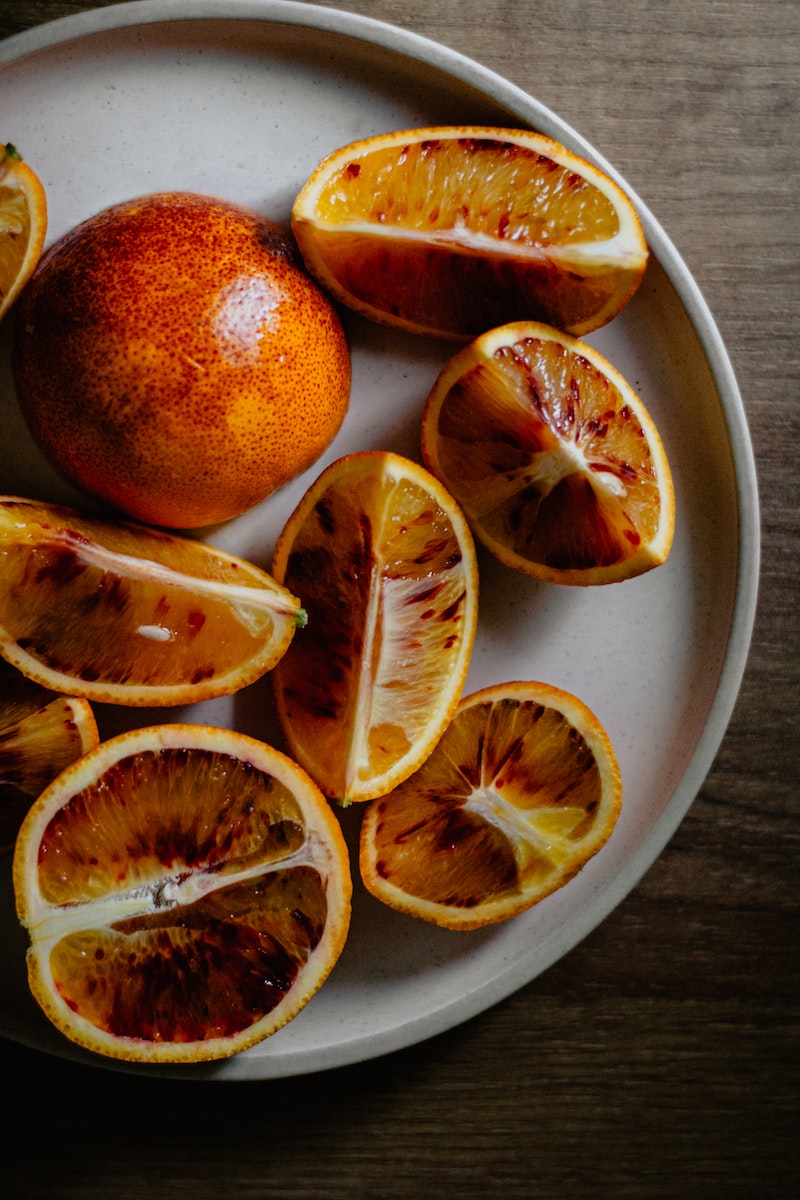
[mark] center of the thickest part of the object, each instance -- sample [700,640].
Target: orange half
[185,891]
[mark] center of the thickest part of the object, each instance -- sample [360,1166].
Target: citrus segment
[385,565]
[124,614]
[450,231]
[23,224]
[173,358]
[185,890]
[522,789]
[40,734]
[556,461]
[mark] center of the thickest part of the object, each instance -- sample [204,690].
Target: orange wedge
[23,224]
[185,890]
[40,734]
[450,231]
[521,791]
[120,613]
[552,455]
[384,563]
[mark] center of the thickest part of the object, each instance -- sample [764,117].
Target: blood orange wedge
[521,791]
[40,734]
[121,613]
[185,890]
[384,562]
[450,231]
[23,224]
[556,461]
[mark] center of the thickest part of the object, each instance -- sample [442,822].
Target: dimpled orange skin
[173,359]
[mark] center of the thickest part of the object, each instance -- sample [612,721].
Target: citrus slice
[521,791]
[556,462]
[385,564]
[450,231]
[185,890]
[40,734]
[23,224]
[124,614]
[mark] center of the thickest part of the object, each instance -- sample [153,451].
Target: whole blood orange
[173,358]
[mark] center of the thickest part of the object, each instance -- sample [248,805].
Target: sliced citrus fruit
[185,890]
[450,231]
[23,224]
[129,615]
[384,562]
[521,791]
[552,455]
[40,734]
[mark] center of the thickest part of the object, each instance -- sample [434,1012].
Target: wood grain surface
[659,1058]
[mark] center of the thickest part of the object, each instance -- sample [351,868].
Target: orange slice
[385,565]
[450,231]
[185,890]
[120,613]
[521,791]
[23,224]
[557,464]
[40,734]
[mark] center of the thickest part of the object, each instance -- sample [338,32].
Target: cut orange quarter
[384,562]
[23,224]
[554,458]
[40,734]
[185,890]
[521,791]
[449,231]
[124,614]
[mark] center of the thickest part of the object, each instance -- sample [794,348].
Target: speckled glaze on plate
[241,99]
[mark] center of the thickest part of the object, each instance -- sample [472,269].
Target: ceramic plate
[241,100]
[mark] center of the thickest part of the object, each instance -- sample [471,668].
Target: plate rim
[525,108]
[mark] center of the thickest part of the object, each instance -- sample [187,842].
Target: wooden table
[659,1058]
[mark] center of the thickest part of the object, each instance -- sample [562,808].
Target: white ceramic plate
[241,99]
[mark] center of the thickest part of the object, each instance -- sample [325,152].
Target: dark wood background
[659,1058]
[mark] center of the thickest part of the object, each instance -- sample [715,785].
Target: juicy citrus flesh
[450,231]
[173,358]
[557,463]
[384,563]
[185,890]
[521,791]
[124,614]
[23,224]
[41,732]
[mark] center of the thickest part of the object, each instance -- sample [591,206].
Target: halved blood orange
[553,456]
[185,890]
[41,732]
[452,230]
[384,563]
[121,613]
[23,224]
[521,791]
